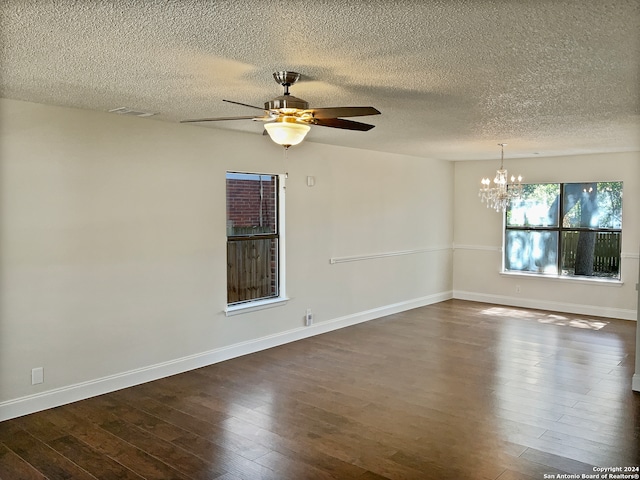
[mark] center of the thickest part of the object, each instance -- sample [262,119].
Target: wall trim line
[486,248]
[80,391]
[579,309]
[356,258]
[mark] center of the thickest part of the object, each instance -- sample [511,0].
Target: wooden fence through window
[251,269]
[607,251]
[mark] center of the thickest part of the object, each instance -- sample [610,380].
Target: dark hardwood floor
[455,390]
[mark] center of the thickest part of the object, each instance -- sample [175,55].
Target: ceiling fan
[288,118]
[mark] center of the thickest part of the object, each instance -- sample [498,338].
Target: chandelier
[502,192]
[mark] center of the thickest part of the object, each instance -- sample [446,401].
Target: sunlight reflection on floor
[550,318]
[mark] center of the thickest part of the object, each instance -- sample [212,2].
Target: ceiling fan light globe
[287,133]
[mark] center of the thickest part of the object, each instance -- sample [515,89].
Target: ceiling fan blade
[337,112]
[217,119]
[340,123]
[243,104]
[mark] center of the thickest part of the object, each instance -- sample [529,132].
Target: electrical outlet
[308,318]
[37,375]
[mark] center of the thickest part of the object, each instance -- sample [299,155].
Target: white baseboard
[580,309]
[635,383]
[72,393]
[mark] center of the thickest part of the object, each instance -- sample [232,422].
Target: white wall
[478,238]
[113,257]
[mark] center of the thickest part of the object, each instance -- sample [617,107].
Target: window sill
[248,307]
[564,278]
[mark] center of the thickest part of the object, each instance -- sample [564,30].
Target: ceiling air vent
[130,112]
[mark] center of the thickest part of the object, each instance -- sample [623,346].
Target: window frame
[245,306]
[560,229]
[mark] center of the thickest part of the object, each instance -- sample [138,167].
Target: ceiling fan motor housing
[286,101]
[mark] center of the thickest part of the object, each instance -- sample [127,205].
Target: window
[567,229]
[254,254]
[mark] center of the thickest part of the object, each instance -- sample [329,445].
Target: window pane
[252,237]
[537,207]
[594,254]
[531,251]
[586,242]
[252,271]
[251,204]
[610,205]
[592,205]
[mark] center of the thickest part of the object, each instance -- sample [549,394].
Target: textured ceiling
[452,78]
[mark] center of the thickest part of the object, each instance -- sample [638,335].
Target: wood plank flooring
[455,390]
